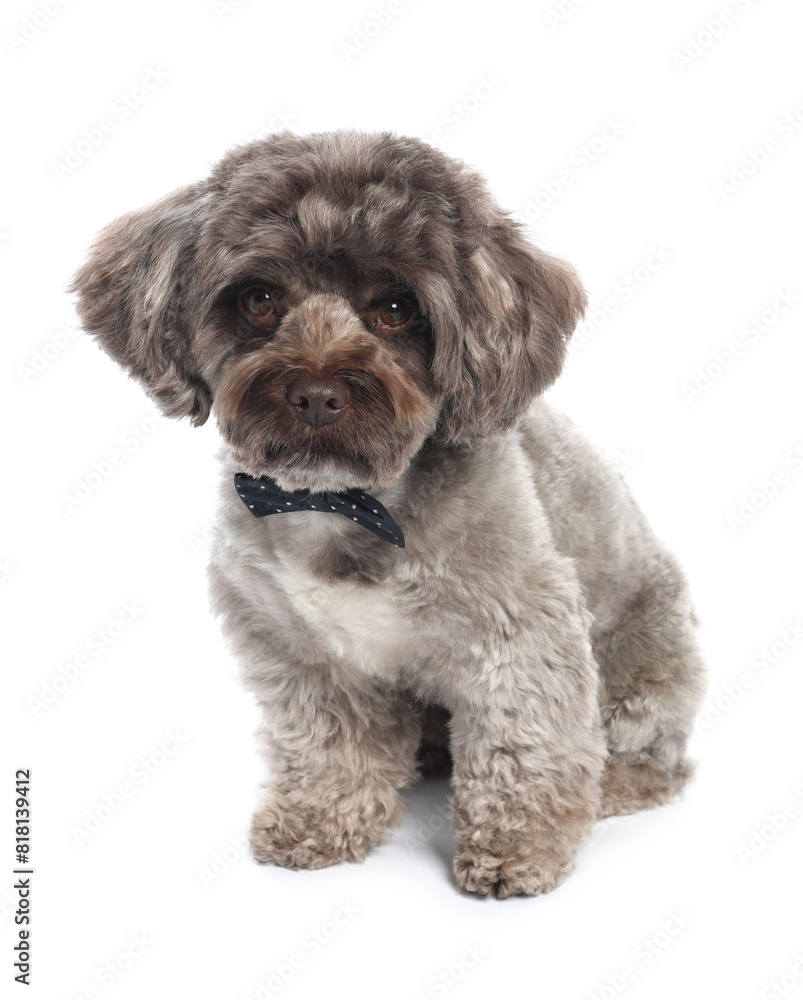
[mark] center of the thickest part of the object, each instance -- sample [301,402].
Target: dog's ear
[130,296]
[507,328]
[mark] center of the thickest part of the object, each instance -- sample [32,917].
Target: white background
[698,899]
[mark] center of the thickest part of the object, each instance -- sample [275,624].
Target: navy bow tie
[263,497]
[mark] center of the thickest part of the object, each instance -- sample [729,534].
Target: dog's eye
[257,302]
[395,312]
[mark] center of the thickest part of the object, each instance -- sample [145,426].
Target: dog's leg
[338,753]
[528,754]
[653,681]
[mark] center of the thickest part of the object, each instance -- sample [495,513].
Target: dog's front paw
[312,838]
[510,868]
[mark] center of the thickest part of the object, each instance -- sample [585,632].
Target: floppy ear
[506,332]
[130,294]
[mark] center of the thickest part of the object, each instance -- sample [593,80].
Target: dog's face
[335,299]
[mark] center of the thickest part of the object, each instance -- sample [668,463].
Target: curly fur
[533,638]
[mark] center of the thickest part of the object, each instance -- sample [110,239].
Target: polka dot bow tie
[263,496]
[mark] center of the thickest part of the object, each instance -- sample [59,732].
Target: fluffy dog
[371,332]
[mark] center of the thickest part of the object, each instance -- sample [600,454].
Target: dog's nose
[318,400]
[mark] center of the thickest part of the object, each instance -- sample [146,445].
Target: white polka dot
[376,511]
[354,519]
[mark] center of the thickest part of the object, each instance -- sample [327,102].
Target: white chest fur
[362,624]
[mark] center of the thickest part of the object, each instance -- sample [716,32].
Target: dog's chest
[363,624]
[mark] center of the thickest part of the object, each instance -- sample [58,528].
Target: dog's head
[335,299]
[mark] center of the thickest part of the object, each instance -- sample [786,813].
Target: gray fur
[533,624]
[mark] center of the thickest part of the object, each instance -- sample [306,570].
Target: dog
[420,567]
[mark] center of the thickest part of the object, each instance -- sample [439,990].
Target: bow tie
[263,496]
